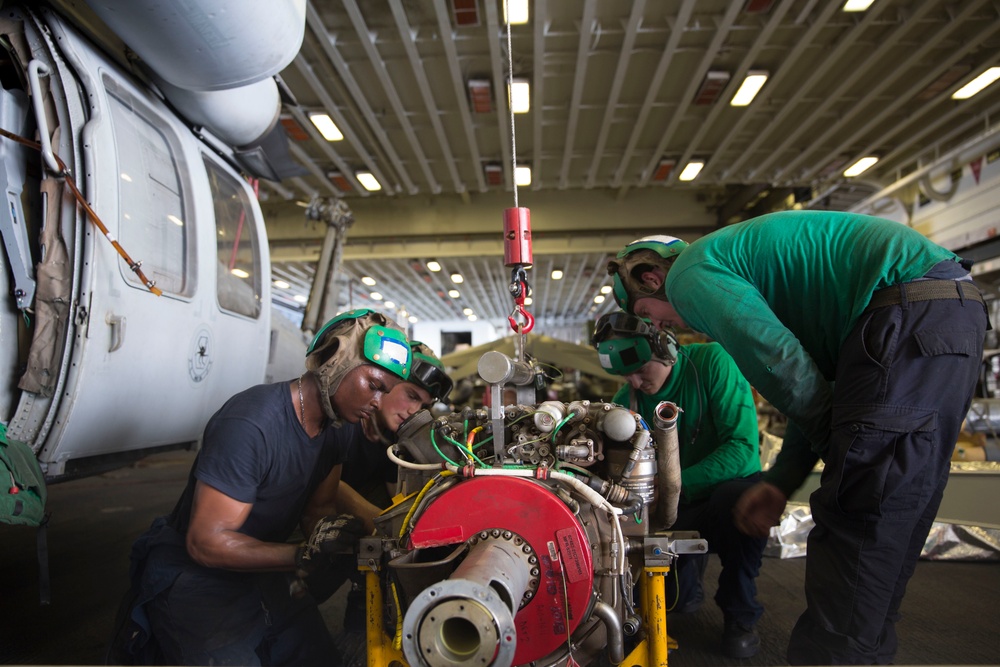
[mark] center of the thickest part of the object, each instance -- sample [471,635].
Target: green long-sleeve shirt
[717,430]
[781,292]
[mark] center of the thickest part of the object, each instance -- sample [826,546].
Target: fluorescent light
[432,265]
[606,289]
[473,318]
[368,181]
[412,319]
[298,298]
[691,170]
[860,166]
[557,274]
[516,12]
[453,293]
[522,175]
[326,126]
[751,85]
[599,298]
[977,84]
[368,280]
[239,273]
[528,301]
[281,284]
[520,96]
[457,278]
[375,296]
[390,305]
[468,311]
[857,5]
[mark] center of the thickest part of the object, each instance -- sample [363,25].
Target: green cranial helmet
[350,340]
[427,372]
[626,269]
[626,343]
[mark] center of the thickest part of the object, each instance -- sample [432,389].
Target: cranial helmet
[657,250]
[427,371]
[626,343]
[350,340]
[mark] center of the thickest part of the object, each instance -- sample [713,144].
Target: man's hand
[758,509]
[330,537]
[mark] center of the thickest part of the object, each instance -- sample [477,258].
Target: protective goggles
[425,374]
[621,324]
[383,346]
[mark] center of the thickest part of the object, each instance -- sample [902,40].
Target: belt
[925,290]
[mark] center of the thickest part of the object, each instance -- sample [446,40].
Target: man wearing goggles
[717,434]
[368,482]
[214,580]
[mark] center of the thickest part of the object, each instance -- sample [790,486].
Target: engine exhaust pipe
[468,619]
[668,462]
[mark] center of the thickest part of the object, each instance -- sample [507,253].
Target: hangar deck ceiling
[622,96]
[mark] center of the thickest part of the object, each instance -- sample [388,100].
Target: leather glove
[330,537]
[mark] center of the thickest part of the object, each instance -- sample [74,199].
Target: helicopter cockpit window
[238,247]
[153,224]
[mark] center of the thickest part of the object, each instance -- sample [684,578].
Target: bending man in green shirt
[718,441]
[869,338]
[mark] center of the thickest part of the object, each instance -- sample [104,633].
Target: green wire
[438,450]
[464,449]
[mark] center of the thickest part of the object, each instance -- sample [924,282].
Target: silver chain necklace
[302,405]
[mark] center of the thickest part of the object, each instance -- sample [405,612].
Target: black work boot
[739,641]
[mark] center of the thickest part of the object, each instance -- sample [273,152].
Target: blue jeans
[740,555]
[904,383]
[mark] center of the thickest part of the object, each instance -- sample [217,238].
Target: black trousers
[740,555]
[904,383]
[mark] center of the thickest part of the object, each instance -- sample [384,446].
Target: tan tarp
[545,349]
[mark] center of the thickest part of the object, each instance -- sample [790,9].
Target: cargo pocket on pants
[883,468]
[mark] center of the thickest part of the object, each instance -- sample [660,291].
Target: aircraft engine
[522,531]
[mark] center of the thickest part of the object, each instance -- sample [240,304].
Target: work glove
[331,536]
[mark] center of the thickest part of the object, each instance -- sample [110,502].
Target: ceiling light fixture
[557,274]
[516,11]
[751,85]
[977,84]
[711,87]
[412,319]
[467,311]
[326,126]
[857,5]
[663,169]
[457,278]
[239,273]
[298,298]
[522,176]
[860,166]
[281,284]
[691,170]
[390,305]
[520,95]
[432,265]
[528,301]
[368,182]
[599,298]
[473,318]
[375,296]
[606,289]
[453,293]
[368,280]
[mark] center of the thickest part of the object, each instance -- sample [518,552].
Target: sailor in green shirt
[869,338]
[718,443]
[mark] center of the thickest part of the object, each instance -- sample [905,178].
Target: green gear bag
[22,484]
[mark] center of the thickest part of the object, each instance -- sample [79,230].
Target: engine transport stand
[659,552]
